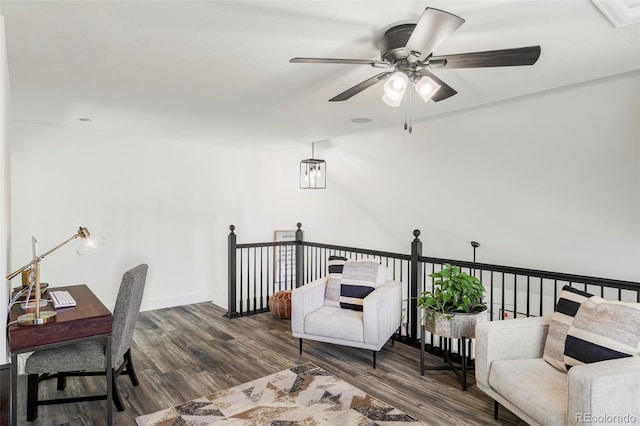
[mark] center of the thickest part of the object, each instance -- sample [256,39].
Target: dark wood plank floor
[190,351]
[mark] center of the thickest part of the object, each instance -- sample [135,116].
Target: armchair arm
[304,300]
[521,338]
[604,389]
[381,313]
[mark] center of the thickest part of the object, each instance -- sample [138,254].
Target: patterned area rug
[305,395]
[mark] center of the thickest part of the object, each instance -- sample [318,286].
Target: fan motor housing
[393,42]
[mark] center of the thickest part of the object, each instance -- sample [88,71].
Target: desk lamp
[87,245]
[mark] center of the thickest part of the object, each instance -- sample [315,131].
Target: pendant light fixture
[313,172]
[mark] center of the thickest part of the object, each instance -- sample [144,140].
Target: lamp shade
[426,88]
[394,89]
[90,245]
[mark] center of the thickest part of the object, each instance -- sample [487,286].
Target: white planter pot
[455,325]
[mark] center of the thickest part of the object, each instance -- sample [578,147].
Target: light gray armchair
[369,329]
[511,370]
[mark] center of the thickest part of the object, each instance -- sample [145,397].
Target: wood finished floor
[191,351]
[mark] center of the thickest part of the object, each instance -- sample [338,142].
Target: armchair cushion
[517,379]
[359,278]
[601,331]
[335,264]
[343,324]
[568,304]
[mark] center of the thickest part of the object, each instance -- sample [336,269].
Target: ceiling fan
[408,49]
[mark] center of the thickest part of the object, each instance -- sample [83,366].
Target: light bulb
[427,87]
[396,84]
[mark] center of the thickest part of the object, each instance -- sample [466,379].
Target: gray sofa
[510,369]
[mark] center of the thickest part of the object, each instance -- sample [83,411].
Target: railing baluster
[246,286]
[528,294]
[515,296]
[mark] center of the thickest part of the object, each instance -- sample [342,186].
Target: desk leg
[109,372]
[14,390]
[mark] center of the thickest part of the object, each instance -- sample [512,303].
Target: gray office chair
[88,358]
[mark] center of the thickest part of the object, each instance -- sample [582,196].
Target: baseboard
[168,302]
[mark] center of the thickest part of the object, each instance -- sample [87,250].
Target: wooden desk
[89,319]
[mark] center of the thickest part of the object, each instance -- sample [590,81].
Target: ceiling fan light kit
[408,49]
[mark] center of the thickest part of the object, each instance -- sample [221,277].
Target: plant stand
[461,372]
[462,328]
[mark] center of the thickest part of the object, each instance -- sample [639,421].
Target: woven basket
[455,325]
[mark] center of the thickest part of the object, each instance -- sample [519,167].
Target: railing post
[475,245]
[299,256]
[415,286]
[231,272]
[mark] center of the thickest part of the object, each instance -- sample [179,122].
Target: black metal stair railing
[255,273]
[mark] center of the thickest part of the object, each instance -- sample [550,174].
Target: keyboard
[61,299]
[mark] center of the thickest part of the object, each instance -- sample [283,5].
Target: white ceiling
[219,72]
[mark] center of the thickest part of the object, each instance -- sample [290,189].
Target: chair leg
[495,409]
[32,397]
[131,372]
[374,359]
[62,381]
[300,346]
[116,394]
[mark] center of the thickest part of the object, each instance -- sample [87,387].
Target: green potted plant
[455,305]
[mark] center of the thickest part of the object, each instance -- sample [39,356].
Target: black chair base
[34,379]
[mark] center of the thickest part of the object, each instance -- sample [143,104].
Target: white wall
[5,199]
[166,203]
[550,182]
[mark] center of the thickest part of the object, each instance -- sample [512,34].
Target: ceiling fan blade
[445,91]
[433,28]
[491,58]
[360,87]
[372,62]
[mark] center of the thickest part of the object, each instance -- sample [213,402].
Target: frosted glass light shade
[392,102]
[90,245]
[394,89]
[426,88]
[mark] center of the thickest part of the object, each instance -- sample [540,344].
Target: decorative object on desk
[313,172]
[455,305]
[88,245]
[305,394]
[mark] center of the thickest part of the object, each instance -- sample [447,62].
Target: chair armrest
[304,300]
[604,389]
[381,313]
[521,338]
